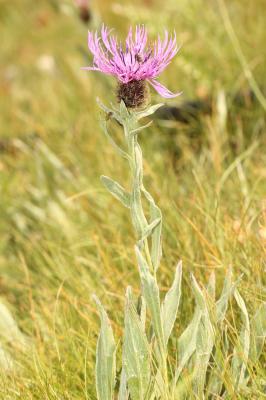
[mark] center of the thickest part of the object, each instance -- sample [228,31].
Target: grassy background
[63,237]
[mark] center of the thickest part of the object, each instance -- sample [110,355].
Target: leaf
[113,143]
[150,228]
[142,311]
[149,111]
[187,343]
[138,217]
[140,128]
[258,332]
[222,303]
[171,303]
[105,357]
[156,245]
[211,287]
[221,360]
[136,352]
[199,297]
[215,380]
[109,111]
[204,341]
[123,392]
[150,292]
[124,111]
[116,190]
[241,352]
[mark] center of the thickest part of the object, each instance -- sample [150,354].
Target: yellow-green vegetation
[64,238]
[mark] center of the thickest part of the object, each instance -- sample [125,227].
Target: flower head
[136,61]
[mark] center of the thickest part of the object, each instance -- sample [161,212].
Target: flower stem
[136,192]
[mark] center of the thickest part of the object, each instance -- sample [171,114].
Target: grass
[63,237]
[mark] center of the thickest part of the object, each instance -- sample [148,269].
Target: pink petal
[162,90]
[91,68]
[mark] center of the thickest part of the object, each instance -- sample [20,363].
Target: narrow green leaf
[211,287]
[171,303]
[222,303]
[125,115]
[204,341]
[142,311]
[140,128]
[187,343]
[136,352]
[149,111]
[150,228]
[258,332]
[105,357]
[116,190]
[241,351]
[123,392]
[120,151]
[199,296]
[156,245]
[215,380]
[151,295]
[112,112]
[138,217]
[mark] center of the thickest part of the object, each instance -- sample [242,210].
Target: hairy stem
[136,191]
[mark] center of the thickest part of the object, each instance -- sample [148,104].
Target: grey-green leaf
[109,111]
[123,392]
[125,115]
[113,143]
[187,343]
[258,332]
[148,230]
[156,246]
[204,341]
[116,190]
[171,303]
[241,352]
[149,111]
[222,303]
[211,287]
[105,357]
[141,128]
[136,352]
[150,292]
[138,217]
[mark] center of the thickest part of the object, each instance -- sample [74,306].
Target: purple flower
[136,61]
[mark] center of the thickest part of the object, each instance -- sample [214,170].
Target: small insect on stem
[109,116]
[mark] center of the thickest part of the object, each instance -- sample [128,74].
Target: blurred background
[62,236]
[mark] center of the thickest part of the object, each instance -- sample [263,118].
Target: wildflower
[135,64]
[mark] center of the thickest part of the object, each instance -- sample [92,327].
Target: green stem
[140,222]
[137,169]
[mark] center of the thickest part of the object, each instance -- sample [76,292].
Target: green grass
[63,237]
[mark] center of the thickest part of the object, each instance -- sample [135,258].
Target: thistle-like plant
[204,356]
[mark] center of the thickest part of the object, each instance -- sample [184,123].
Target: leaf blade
[171,303]
[116,190]
[105,357]
[136,352]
